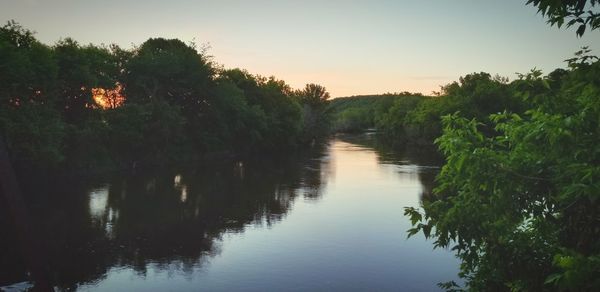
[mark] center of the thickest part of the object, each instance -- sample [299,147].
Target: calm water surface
[330,220]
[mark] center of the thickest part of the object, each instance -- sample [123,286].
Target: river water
[331,219]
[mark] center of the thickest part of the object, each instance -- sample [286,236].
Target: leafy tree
[393,122]
[276,100]
[150,133]
[519,204]
[582,13]
[242,125]
[358,113]
[352,120]
[34,135]
[162,101]
[176,73]
[31,128]
[284,114]
[79,70]
[314,99]
[28,69]
[416,119]
[313,95]
[169,70]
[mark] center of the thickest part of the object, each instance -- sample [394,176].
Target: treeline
[357,113]
[85,106]
[417,119]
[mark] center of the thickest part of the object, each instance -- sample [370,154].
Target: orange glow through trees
[108,98]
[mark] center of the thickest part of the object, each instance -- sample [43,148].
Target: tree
[519,204]
[28,69]
[170,70]
[314,95]
[81,68]
[150,133]
[417,120]
[283,114]
[34,135]
[241,125]
[90,107]
[32,129]
[314,99]
[582,13]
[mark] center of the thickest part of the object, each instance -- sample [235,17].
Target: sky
[353,47]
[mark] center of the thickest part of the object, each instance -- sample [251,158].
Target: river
[331,219]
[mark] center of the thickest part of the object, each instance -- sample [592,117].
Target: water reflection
[98,203]
[422,162]
[160,219]
[206,226]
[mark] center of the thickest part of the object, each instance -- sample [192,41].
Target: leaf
[580,30]
[571,22]
[460,162]
[415,217]
[426,230]
[412,232]
[553,279]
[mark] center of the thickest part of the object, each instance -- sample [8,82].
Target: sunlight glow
[108,98]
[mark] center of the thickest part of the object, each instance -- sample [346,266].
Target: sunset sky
[351,47]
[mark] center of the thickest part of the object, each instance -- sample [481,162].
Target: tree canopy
[76,106]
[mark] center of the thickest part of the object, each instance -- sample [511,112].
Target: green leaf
[553,279]
[426,230]
[412,232]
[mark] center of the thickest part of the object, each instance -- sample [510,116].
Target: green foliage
[28,69]
[34,135]
[32,130]
[150,133]
[417,119]
[244,125]
[169,70]
[178,105]
[284,114]
[273,102]
[518,197]
[582,13]
[357,113]
[353,120]
[313,95]
[314,99]
[79,70]
[85,145]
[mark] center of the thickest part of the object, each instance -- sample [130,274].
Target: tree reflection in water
[168,219]
[173,221]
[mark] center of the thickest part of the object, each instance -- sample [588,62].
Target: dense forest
[357,113]
[83,107]
[417,119]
